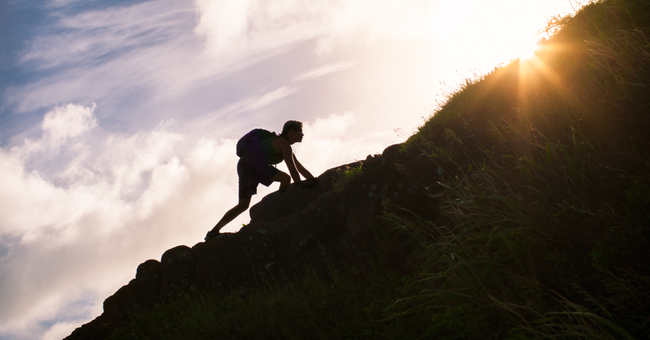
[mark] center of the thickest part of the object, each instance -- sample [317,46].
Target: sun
[526,51]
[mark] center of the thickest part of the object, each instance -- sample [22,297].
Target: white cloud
[114,53]
[230,26]
[235,108]
[332,127]
[123,201]
[88,36]
[60,3]
[327,69]
[223,23]
[60,330]
[336,140]
[258,25]
[155,48]
[68,121]
[269,98]
[149,49]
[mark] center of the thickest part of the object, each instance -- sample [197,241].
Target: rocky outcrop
[288,231]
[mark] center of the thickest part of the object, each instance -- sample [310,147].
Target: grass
[348,304]
[543,224]
[349,174]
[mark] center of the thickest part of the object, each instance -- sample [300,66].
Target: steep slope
[288,232]
[520,209]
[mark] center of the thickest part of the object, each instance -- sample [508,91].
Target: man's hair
[290,125]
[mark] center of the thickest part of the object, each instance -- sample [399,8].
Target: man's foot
[211,234]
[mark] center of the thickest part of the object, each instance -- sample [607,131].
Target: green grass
[349,174]
[543,225]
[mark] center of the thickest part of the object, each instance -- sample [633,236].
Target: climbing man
[255,166]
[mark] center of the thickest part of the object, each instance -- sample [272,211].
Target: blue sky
[118,119]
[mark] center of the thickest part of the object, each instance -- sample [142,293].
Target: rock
[148,279]
[122,301]
[178,268]
[302,226]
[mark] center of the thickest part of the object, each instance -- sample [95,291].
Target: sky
[118,119]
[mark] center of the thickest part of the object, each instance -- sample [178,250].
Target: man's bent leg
[231,214]
[283,178]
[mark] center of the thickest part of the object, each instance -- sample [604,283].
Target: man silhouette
[256,166]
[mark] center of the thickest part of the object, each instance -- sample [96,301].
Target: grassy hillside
[539,226]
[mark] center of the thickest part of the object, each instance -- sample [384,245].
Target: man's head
[292,131]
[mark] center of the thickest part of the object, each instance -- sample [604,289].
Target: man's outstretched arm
[302,169]
[287,155]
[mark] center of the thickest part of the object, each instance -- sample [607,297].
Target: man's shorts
[251,175]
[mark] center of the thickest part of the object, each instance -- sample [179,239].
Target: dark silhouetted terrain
[520,209]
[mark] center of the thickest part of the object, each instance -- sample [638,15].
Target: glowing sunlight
[526,51]
[489,34]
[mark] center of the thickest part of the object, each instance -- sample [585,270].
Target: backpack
[251,140]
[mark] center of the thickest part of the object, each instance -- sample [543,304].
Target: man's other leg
[231,214]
